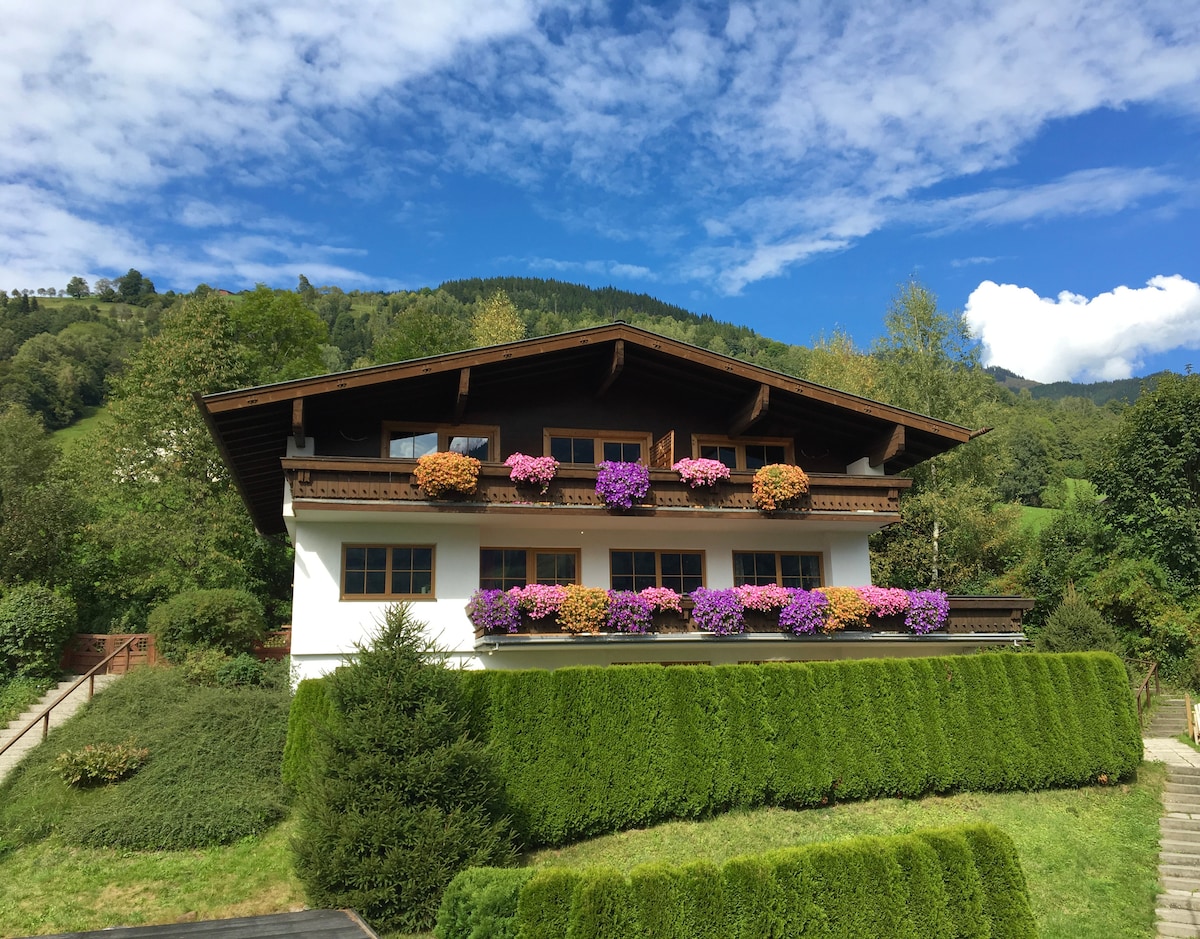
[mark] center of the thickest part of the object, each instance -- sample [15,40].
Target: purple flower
[619,484]
[718,611]
[805,613]
[495,611]
[628,612]
[927,610]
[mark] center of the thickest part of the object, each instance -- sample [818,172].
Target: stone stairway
[1168,720]
[11,757]
[1178,906]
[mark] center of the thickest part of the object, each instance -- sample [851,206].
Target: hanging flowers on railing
[532,470]
[447,474]
[927,610]
[629,612]
[620,484]
[718,611]
[494,611]
[777,485]
[701,472]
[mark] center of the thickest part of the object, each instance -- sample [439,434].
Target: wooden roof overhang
[251,426]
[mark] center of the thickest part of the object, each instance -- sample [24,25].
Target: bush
[100,764]
[964,881]
[590,750]
[35,624]
[228,620]
[243,670]
[405,797]
[200,666]
[310,708]
[1077,626]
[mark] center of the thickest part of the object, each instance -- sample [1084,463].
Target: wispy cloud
[1098,338]
[758,134]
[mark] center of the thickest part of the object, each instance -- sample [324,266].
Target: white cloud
[771,133]
[1070,337]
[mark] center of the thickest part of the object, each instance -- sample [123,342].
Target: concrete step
[1184,884]
[58,716]
[1188,859]
[1174,930]
[1179,829]
[1179,900]
[1172,845]
[1184,785]
[1189,872]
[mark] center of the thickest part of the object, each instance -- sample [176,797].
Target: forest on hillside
[1063,497]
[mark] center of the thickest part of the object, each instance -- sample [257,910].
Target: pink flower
[701,472]
[535,470]
[764,599]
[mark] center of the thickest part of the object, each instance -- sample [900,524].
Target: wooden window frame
[658,553]
[444,432]
[388,595]
[599,438]
[778,567]
[531,559]
[740,444]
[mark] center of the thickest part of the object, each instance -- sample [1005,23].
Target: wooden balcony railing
[326,479]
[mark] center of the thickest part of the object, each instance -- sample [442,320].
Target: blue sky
[784,165]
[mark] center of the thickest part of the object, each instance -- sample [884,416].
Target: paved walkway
[1171,751]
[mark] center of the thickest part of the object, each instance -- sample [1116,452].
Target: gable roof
[251,426]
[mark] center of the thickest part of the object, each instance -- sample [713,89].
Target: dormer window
[411,441]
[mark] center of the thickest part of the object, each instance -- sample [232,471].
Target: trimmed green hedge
[955,882]
[310,707]
[591,750]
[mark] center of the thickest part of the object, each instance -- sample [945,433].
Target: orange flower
[777,484]
[448,473]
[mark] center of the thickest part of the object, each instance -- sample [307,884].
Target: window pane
[514,568]
[776,454]
[631,452]
[726,455]
[743,568]
[410,445]
[402,582]
[810,571]
[789,570]
[560,449]
[376,582]
[643,563]
[402,559]
[356,559]
[422,559]
[672,564]
[376,559]
[356,582]
[471,446]
[422,582]
[612,452]
[692,564]
[756,456]
[552,568]
[691,582]
[622,562]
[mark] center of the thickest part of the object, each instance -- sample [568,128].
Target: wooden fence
[86,650]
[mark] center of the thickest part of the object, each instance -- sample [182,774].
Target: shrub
[242,670]
[1077,626]
[228,620]
[591,750]
[310,709]
[406,797]
[963,881]
[200,666]
[100,764]
[35,624]
[447,474]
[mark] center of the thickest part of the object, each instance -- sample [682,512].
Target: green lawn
[1090,856]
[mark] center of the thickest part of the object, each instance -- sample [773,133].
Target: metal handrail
[1144,687]
[90,678]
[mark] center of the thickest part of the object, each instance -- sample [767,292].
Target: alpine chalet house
[333,461]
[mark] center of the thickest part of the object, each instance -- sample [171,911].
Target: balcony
[989,618]
[389,482]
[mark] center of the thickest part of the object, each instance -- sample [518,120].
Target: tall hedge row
[590,750]
[956,882]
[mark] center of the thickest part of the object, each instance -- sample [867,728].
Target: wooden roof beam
[298,434]
[615,367]
[887,447]
[464,388]
[752,411]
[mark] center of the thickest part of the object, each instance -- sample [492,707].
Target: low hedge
[591,750]
[964,881]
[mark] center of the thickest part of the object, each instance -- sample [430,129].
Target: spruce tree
[401,797]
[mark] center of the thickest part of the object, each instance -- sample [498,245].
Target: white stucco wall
[325,628]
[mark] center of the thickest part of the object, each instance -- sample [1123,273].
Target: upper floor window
[596,446]
[783,568]
[410,441]
[502,568]
[746,454]
[682,571]
[385,572]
